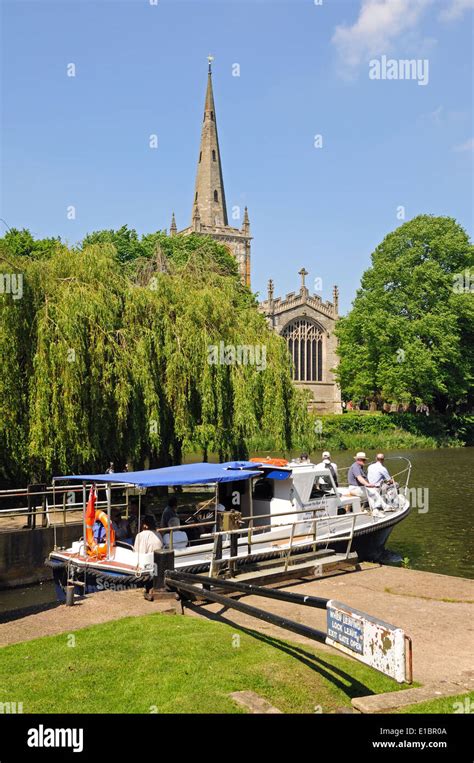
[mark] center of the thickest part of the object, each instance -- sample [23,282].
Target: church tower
[209,210]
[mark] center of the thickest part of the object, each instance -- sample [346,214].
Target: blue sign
[346,629]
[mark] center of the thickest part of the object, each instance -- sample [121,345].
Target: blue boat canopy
[276,474]
[186,474]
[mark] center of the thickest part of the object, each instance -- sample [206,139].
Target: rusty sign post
[374,642]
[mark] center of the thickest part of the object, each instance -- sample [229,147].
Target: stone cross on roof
[303,273]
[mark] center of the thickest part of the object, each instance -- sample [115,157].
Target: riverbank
[208,655]
[363,430]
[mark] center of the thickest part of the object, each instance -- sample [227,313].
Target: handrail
[215,562]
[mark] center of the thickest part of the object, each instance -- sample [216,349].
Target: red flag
[90,511]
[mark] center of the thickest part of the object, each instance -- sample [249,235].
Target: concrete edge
[254,703]
[381,703]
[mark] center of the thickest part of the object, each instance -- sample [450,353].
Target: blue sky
[304,71]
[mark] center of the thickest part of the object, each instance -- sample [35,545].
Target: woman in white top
[147,540]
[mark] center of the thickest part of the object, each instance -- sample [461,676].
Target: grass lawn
[168,664]
[461,703]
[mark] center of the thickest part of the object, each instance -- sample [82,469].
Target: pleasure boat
[260,509]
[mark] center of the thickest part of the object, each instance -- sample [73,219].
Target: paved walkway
[19,522]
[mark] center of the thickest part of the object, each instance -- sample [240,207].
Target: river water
[437,536]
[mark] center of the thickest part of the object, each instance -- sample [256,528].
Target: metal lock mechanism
[230,520]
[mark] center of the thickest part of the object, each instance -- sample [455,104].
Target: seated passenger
[120,525]
[331,466]
[180,538]
[148,540]
[99,531]
[378,473]
[360,485]
[170,512]
[356,476]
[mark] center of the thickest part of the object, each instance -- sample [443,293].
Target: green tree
[109,359]
[132,250]
[126,242]
[409,335]
[21,243]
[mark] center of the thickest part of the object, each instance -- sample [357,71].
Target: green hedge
[394,430]
[371,431]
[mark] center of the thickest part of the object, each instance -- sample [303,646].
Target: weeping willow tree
[138,362]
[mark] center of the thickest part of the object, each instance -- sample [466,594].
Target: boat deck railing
[299,530]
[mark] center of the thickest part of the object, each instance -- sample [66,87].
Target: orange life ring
[271,461]
[99,550]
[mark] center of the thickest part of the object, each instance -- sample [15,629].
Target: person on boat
[148,539]
[357,476]
[361,485]
[331,466]
[120,525]
[179,537]
[377,473]
[99,531]
[133,512]
[170,512]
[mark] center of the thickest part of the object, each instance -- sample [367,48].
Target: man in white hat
[356,475]
[326,463]
[357,479]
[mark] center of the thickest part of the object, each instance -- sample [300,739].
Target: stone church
[302,319]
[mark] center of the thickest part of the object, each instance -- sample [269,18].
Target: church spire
[209,189]
[246,222]
[173,228]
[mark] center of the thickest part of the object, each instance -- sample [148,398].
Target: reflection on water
[439,539]
[27,596]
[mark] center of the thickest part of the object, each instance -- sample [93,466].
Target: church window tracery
[305,343]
